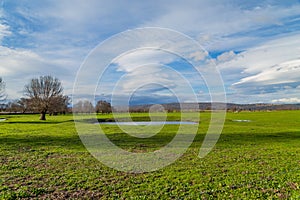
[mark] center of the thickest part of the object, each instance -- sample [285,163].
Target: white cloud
[149,71]
[4,31]
[131,61]
[199,55]
[268,54]
[18,66]
[15,62]
[153,80]
[226,56]
[286,100]
[147,78]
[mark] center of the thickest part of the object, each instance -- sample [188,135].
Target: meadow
[256,159]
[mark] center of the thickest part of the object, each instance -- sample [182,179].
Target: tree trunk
[43,116]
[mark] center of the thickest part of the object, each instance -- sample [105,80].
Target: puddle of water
[147,123]
[241,120]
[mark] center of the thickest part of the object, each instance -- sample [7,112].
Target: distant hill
[208,106]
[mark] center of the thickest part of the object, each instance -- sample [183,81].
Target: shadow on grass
[128,142]
[260,138]
[42,141]
[126,119]
[37,122]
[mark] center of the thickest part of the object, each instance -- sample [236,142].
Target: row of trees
[45,95]
[87,107]
[24,105]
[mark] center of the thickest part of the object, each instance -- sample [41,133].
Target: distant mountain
[216,106]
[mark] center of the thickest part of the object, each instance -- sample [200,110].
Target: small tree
[2,90]
[83,107]
[77,108]
[43,92]
[12,107]
[88,107]
[103,107]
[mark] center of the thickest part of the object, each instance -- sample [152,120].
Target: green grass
[252,160]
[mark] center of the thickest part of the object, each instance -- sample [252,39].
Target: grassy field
[259,159]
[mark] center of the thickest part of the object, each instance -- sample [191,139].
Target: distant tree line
[230,107]
[87,107]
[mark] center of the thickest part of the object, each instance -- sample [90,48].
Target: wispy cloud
[4,31]
[230,24]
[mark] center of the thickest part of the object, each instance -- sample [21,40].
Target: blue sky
[254,44]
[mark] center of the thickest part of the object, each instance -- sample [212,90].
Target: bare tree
[2,90]
[43,92]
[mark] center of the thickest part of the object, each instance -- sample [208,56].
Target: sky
[255,45]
